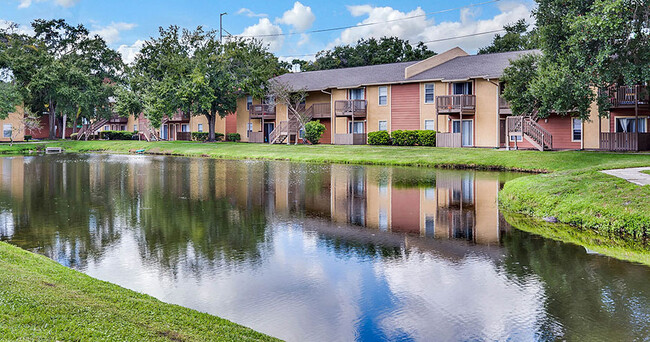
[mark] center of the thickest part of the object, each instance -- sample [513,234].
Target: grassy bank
[42,300]
[534,161]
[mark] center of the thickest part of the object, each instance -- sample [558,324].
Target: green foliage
[405,138]
[9,99]
[314,131]
[368,52]
[426,138]
[28,137]
[516,38]
[379,138]
[117,135]
[234,137]
[518,91]
[203,136]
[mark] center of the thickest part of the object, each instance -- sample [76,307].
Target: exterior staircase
[527,127]
[285,129]
[89,129]
[148,132]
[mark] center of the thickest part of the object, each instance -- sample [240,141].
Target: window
[383,96]
[301,133]
[200,127]
[135,128]
[249,128]
[576,130]
[123,128]
[6,130]
[185,128]
[629,125]
[107,128]
[249,102]
[357,94]
[383,125]
[429,125]
[429,226]
[462,88]
[429,96]
[358,127]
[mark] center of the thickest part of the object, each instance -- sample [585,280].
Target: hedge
[117,135]
[203,136]
[379,138]
[403,138]
[314,131]
[233,137]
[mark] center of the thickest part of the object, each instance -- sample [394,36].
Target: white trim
[379,125]
[424,92]
[379,96]
[473,143]
[581,130]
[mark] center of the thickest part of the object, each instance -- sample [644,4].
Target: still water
[309,252]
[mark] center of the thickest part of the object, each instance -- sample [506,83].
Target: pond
[320,252]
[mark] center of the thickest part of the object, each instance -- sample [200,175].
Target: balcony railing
[456,104]
[320,110]
[504,106]
[118,119]
[355,108]
[179,117]
[628,96]
[265,111]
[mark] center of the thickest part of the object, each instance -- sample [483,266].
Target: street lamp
[221,27]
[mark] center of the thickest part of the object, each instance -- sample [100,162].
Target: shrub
[28,137]
[233,137]
[116,135]
[426,138]
[405,138]
[314,131]
[203,136]
[379,138]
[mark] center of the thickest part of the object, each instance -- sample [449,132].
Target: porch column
[636,115]
[461,127]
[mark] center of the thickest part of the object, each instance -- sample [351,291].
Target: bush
[233,137]
[314,131]
[426,138]
[203,136]
[379,138]
[116,135]
[405,138]
[28,137]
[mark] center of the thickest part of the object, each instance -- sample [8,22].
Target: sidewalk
[632,175]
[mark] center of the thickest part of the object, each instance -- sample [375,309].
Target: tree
[516,38]
[586,45]
[368,52]
[28,123]
[194,72]
[9,99]
[293,99]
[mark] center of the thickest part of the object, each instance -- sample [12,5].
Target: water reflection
[320,252]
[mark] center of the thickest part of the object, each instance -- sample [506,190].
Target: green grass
[42,300]
[533,161]
[646,172]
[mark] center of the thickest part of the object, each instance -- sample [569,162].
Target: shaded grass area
[634,251]
[532,161]
[646,172]
[585,198]
[42,300]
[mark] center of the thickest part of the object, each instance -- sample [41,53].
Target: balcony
[179,116]
[352,108]
[504,106]
[450,104]
[262,111]
[118,120]
[321,110]
[627,97]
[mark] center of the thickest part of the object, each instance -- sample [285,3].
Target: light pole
[221,27]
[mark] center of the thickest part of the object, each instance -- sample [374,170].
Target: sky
[125,25]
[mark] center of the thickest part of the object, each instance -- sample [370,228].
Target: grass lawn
[646,172]
[42,300]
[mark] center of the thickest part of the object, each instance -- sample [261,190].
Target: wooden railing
[525,126]
[627,96]
[355,108]
[256,137]
[319,111]
[184,136]
[351,139]
[504,106]
[258,111]
[147,131]
[621,141]
[448,140]
[179,116]
[456,103]
[118,119]
[90,129]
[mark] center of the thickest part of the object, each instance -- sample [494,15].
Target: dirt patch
[172,336]
[49,284]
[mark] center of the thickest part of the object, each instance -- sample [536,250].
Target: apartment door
[268,128]
[165,132]
[468,133]
[502,132]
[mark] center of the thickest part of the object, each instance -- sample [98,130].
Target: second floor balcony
[118,119]
[628,96]
[504,106]
[262,111]
[451,104]
[352,108]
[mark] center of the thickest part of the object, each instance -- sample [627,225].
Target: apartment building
[454,93]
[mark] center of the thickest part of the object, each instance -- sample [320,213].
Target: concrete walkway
[632,175]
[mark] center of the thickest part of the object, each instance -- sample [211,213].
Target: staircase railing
[90,129]
[275,134]
[537,133]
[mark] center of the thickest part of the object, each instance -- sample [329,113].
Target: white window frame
[351,128]
[107,127]
[249,102]
[573,129]
[6,128]
[433,125]
[433,93]
[135,127]
[641,119]
[385,125]
[385,96]
[200,127]
[185,128]
[351,91]
[470,87]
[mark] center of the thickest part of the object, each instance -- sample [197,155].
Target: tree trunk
[52,111]
[74,125]
[65,117]
[211,120]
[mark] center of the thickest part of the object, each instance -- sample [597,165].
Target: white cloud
[247,12]
[423,29]
[300,17]
[111,33]
[266,27]
[62,3]
[129,52]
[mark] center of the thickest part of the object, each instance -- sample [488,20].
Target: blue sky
[126,24]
